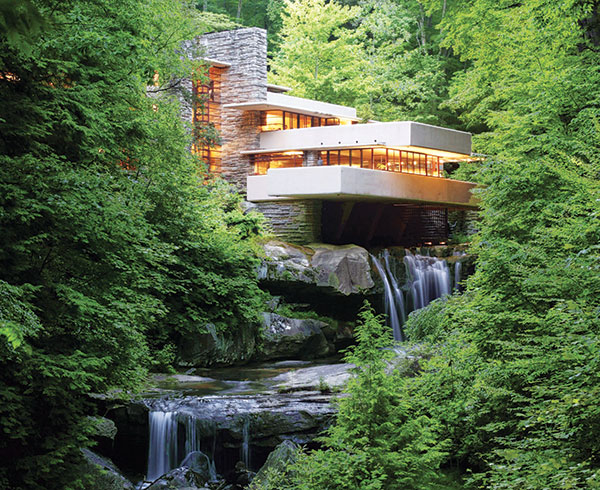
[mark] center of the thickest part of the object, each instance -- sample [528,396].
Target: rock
[268,419]
[345,268]
[103,427]
[105,474]
[335,269]
[212,348]
[200,463]
[287,262]
[292,338]
[325,377]
[179,479]
[277,462]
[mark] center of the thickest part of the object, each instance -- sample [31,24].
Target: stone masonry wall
[293,221]
[245,80]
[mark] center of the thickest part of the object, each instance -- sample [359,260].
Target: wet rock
[179,479]
[326,377]
[130,448]
[345,268]
[105,474]
[287,262]
[292,338]
[103,427]
[200,463]
[212,348]
[277,462]
[334,269]
[268,419]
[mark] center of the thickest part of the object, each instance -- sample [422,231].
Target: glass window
[394,161]
[356,160]
[380,158]
[345,157]
[271,120]
[334,158]
[367,158]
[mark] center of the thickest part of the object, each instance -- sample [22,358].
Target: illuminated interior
[288,159]
[207,112]
[377,158]
[279,120]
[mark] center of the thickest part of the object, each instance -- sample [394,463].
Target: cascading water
[391,301]
[162,453]
[457,270]
[428,278]
[246,442]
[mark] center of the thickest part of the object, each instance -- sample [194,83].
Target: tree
[321,59]
[534,71]
[108,229]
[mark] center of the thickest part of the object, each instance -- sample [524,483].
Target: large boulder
[286,262]
[344,268]
[326,377]
[334,269]
[277,464]
[285,338]
[213,348]
[179,479]
[200,463]
[104,473]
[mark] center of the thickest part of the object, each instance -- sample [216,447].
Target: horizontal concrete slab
[408,135]
[359,184]
[282,102]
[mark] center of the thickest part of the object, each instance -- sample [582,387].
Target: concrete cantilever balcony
[404,135]
[359,184]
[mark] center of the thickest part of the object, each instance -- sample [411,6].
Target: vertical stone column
[245,50]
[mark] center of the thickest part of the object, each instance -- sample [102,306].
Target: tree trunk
[239,10]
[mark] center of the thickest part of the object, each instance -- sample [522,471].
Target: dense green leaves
[113,241]
[376,441]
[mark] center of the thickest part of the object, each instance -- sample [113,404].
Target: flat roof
[281,102]
[271,87]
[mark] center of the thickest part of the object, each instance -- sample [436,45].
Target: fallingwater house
[313,169]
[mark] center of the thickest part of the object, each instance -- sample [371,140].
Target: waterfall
[428,278]
[457,270]
[246,442]
[391,304]
[162,453]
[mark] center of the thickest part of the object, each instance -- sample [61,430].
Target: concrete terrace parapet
[359,184]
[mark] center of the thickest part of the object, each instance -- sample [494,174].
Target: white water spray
[162,453]
[428,278]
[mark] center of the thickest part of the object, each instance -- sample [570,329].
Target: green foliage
[376,441]
[533,68]
[319,60]
[514,373]
[113,244]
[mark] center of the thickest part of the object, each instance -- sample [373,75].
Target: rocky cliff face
[317,292]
